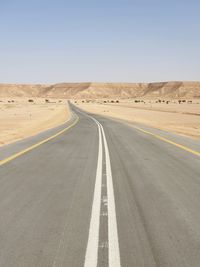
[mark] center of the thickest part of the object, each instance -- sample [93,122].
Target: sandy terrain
[169,90]
[182,118]
[20,119]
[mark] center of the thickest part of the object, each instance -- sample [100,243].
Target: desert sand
[181,118]
[20,119]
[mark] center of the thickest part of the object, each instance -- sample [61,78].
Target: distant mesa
[169,90]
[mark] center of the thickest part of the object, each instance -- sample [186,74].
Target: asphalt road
[101,193]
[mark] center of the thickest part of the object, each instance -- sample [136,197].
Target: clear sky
[48,41]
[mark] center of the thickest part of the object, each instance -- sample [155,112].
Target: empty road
[97,192]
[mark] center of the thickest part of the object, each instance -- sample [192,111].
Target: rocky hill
[169,90]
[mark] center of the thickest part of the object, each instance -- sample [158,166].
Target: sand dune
[169,90]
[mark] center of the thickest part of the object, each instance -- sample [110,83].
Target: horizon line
[66,82]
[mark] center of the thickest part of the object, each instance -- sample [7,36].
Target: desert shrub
[83,101]
[30,100]
[112,101]
[47,100]
[117,101]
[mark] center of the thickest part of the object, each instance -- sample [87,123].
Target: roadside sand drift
[20,119]
[182,118]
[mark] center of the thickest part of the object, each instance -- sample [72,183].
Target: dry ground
[172,90]
[20,119]
[181,118]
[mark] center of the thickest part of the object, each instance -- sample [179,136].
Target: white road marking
[104,213]
[113,242]
[91,256]
[104,245]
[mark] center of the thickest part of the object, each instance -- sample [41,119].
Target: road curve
[102,193]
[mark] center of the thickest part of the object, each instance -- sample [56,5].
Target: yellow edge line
[16,155]
[170,142]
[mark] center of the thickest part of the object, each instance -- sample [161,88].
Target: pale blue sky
[48,41]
